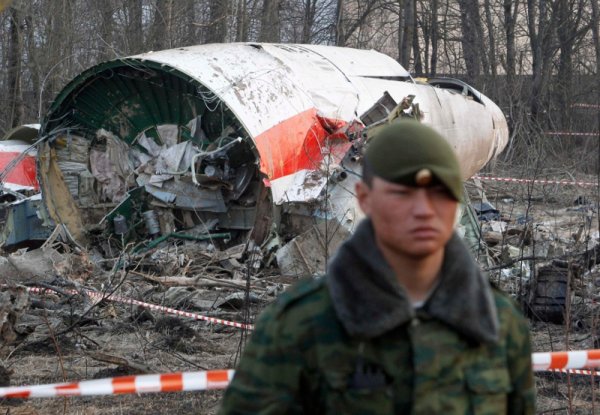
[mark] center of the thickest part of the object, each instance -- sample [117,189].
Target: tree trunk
[408,33]
[217,32]
[536,58]
[134,30]
[425,25]
[472,39]
[348,25]
[491,37]
[269,22]
[191,33]
[569,32]
[596,39]
[242,22]
[435,35]
[596,35]
[59,47]
[161,25]
[543,50]
[564,83]
[33,64]
[418,63]
[15,53]
[309,19]
[401,24]
[105,10]
[511,8]
[339,32]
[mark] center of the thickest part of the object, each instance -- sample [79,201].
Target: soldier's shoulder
[509,311]
[305,298]
[303,308]
[503,300]
[306,293]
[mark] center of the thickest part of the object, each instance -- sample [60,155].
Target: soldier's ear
[363,195]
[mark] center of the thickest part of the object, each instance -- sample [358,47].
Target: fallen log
[198,281]
[119,361]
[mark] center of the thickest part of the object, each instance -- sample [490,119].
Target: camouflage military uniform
[352,343]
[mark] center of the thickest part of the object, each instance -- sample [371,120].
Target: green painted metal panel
[127,98]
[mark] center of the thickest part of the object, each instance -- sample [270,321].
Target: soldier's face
[408,221]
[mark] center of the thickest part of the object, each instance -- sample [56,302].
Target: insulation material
[169,134]
[151,147]
[171,161]
[112,167]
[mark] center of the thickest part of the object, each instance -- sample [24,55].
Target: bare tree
[542,49]
[219,10]
[511,8]
[416,42]
[427,15]
[242,21]
[106,9]
[310,9]
[406,30]
[491,31]
[270,23]
[339,33]
[134,32]
[472,39]
[14,69]
[595,26]
[569,16]
[162,23]
[351,17]
[44,43]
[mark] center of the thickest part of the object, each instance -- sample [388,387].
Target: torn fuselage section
[143,154]
[319,207]
[21,225]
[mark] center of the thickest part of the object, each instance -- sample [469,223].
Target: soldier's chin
[420,250]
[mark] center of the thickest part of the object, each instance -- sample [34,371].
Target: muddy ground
[66,336]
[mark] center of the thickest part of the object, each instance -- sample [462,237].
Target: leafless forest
[538,59]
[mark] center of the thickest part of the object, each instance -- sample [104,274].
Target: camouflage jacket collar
[369,301]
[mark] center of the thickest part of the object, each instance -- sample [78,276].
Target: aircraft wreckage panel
[207,138]
[17,166]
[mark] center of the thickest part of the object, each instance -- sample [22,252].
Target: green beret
[413,154]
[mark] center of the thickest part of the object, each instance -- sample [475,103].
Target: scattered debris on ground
[156,221]
[542,247]
[544,243]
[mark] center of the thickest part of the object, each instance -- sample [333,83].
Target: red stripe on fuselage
[24,173]
[295,144]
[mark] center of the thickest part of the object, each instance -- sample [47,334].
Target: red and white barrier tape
[568,133]
[116,298]
[567,362]
[170,382]
[580,359]
[535,181]
[169,310]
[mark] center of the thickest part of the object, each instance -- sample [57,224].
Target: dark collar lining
[369,300]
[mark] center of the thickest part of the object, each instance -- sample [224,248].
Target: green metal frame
[129,96]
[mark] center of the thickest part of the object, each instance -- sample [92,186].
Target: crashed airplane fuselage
[209,139]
